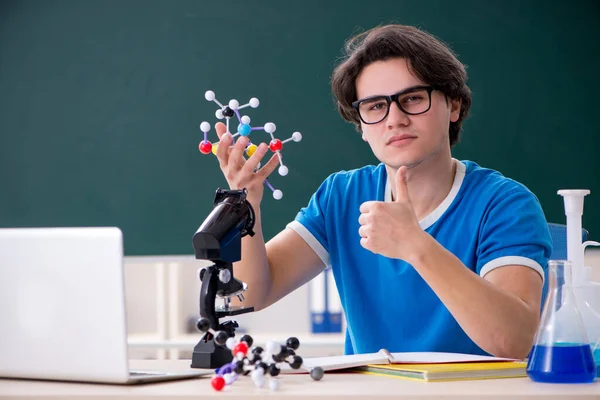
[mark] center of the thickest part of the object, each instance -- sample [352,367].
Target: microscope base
[209,355]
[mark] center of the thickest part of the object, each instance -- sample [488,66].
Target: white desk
[340,386]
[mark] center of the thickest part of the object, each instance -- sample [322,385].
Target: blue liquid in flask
[597,360]
[562,363]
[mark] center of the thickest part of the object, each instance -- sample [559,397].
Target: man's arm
[499,312]
[276,269]
[287,261]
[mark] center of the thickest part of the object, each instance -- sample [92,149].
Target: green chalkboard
[100,102]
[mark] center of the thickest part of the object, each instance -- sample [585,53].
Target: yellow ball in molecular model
[214,149]
[251,149]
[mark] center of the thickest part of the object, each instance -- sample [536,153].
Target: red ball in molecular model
[205,147]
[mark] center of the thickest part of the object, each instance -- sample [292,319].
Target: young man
[429,253]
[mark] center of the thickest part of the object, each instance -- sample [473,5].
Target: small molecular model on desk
[244,129]
[262,364]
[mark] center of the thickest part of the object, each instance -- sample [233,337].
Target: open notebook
[419,365]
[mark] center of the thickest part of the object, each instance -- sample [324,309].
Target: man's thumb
[401,185]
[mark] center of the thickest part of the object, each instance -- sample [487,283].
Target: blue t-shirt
[487,221]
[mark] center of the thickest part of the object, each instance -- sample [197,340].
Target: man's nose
[396,116]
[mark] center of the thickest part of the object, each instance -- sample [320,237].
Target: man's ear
[455,109]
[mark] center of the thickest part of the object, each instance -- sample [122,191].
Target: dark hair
[429,60]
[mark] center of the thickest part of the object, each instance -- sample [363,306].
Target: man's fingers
[364,242]
[254,160]
[366,206]
[223,150]
[269,167]
[220,128]
[362,219]
[362,231]
[236,153]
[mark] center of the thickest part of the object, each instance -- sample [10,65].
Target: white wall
[162,307]
[289,315]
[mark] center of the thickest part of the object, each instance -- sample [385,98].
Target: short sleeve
[514,232]
[310,222]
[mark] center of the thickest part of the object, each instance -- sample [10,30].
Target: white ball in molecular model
[209,95]
[219,114]
[258,377]
[296,136]
[205,127]
[234,104]
[271,346]
[283,170]
[270,127]
[229,378]
[230,343]
[274,384]
[277,194]
[254,102]
[259,382]
[245,119]
[257,373]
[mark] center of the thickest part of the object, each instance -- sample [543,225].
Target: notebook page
[437,357]
[339,362]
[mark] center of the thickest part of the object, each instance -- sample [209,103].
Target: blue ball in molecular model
[244,129]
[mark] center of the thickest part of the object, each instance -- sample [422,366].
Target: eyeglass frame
[394,98]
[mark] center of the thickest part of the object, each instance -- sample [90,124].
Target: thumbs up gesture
[390,228]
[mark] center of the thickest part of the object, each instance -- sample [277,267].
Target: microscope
[219,239]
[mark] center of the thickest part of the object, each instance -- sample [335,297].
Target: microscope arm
[208,295]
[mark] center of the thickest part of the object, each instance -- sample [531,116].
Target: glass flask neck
[559,274]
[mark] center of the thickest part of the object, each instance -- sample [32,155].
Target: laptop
[62,307]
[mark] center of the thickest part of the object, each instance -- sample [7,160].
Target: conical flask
[561,352]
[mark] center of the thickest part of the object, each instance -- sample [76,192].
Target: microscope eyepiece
[219,236]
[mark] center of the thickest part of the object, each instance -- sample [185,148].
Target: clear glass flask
[561,352]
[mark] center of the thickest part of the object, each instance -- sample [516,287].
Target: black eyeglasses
[412,101]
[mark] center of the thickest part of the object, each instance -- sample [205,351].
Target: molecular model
[262,364]
[244,129]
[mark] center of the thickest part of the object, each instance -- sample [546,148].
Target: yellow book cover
[449,371]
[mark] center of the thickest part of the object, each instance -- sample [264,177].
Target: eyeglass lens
[376,109]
